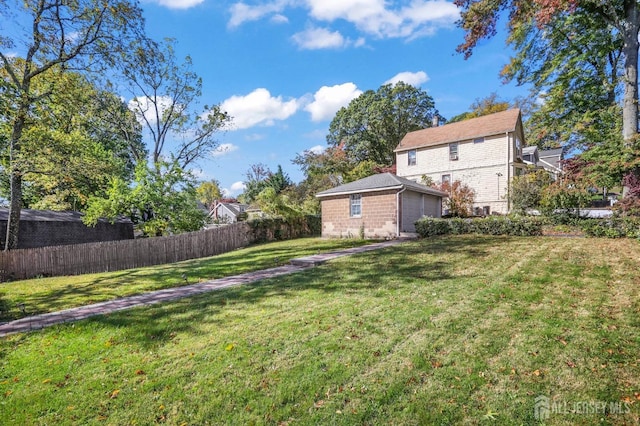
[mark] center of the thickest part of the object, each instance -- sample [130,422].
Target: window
[518,148]
[453,151]
[356,205]
[478,140]
[446,178]
[412,157]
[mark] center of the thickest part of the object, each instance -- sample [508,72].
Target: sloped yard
[455,330]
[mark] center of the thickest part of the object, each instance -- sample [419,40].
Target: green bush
[270,229]
[611,227]
[428,227]
[499,225]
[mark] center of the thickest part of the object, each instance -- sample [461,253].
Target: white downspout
[398,212]
[508,174]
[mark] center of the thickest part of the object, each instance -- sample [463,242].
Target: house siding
[487,167]
[378,218]
[415,205]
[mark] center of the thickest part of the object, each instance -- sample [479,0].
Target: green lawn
[53,294]
[453,330]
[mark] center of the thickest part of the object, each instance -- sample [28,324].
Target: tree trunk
[631,25]
[630,50]
[15,202]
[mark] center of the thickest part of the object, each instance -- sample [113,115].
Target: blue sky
[282,68]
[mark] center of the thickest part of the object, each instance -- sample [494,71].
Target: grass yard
[54,294]
[454,330]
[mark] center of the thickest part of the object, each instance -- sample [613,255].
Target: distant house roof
[233,208]
[487,125]
[529,149]
[551,157]
[379,182]
[51,216]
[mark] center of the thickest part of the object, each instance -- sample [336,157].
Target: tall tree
[482,106]
[56,33]
[70,148]
[165,92]
[373,124]
[612,23]
[161,201]
[209,192]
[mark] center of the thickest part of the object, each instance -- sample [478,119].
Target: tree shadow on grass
[390,268]
[123,283]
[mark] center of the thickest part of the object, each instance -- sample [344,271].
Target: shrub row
[498,225]
[270,229]
[611,227]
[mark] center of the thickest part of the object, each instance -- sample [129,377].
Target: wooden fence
[118,255]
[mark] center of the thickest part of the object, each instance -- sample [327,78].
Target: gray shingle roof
[379,182]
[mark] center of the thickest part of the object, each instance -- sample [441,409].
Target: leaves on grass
[229,347]
[114,394]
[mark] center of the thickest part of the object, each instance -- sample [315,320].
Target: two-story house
[483,152]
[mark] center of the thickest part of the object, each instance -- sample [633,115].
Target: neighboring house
[548,159]
[379,206]
[551,160]
[41,228]
[228,212]
[483,152]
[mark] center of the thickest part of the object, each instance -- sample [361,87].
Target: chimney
[435,121]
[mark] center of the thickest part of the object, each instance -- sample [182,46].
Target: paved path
[74,314]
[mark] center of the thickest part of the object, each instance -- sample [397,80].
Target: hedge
[270,229]
[611,227]
[498,225]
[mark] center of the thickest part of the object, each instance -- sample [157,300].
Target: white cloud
[224,149]
[328,100]
[413,78]
[235,189]
[253,137]
[178,4]
[146,108]
[319,38]
[279,19]
[318,149]
[374,17]
[242,12]
[258,107]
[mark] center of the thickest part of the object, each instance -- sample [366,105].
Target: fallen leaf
[319,404]
[230,347]
[536,373]
[114,394]
[140,372]
[571,364]
[46,381]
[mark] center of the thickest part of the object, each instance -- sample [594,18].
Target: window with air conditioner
[453,151]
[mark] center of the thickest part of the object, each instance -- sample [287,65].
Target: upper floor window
[411,157]
[518,148]
[453,151]
[446,178]
[356,205]
[478,140]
